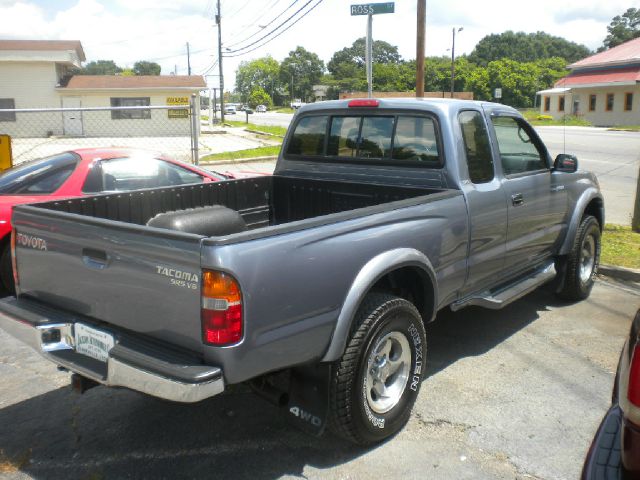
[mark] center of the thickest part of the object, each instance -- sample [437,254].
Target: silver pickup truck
[312,285]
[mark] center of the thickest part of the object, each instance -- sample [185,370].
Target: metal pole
[195,122]
[453,55]
[219,22]
[210,107]
[369,56]
[188,60]
[215,105]
[422,15]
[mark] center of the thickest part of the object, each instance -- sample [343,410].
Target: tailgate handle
[95,258]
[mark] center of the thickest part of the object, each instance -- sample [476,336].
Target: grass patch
[284,110]
[626,128]
[534,117]
[272,129]
[270,151]
[620,246]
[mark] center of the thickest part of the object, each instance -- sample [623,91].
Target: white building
[38,74]
[603,88]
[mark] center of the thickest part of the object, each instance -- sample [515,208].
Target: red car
[615,451]
[86,171]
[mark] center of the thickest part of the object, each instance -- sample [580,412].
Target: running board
[511,293]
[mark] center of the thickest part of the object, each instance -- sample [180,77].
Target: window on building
[592,103]
[547,104]
[7,116]
[130,102]
[561,104]
[476,146]
[628,102]
[610,102]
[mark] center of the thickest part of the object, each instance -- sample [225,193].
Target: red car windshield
[39,177]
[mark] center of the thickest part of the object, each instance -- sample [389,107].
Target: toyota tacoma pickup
[312,285]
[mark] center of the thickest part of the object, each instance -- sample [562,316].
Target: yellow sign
[182,113]
[6,161]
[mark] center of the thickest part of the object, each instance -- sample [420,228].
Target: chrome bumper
[163,375]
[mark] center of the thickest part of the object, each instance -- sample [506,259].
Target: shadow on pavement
[109,433]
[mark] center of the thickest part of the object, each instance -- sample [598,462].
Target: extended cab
[314,284]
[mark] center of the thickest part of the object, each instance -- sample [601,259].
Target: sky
[158,30]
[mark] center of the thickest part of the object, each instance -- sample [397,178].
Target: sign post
[371,9]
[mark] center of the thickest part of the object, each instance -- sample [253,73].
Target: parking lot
[516,393]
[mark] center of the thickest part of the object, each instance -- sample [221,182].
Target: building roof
[609,76]
[44,45]
[627,53]
[92,82]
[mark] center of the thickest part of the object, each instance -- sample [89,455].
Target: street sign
[497,93]
[372,8]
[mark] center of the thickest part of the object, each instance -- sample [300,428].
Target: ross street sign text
[372,8]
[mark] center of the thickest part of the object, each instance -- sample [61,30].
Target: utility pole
[188,60]
[219,23]
[422,14]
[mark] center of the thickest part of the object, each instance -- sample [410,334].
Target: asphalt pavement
[515,393]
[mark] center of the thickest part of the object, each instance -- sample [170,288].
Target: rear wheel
[582,262]
[376,382]
[6,269]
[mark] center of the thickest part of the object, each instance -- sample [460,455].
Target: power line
[277,28]
[273,38]
[255,21]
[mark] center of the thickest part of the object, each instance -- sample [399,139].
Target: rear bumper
[135,363]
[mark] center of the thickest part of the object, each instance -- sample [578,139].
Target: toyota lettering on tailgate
[31,241]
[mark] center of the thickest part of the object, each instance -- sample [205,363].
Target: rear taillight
[221,309]
[633,393]
[14,265]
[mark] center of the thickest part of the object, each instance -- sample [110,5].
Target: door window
[519,152]
[476,146]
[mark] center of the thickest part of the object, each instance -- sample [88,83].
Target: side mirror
[566,163]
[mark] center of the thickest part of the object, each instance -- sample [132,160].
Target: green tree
[262,72]
[518,81]
[344,61]
[300,71]
[259,97]
[144,67]
[623,28]
[525,47]
[101,67]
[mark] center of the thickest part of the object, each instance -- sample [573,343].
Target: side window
[416,140]
[308,138]
[476,146]
[49,182]
[176,175]
[518,152]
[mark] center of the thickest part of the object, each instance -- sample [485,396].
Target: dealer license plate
[93,343]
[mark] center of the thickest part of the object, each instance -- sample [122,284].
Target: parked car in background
[229,110]
[261,108]
[615,451]
[81,172]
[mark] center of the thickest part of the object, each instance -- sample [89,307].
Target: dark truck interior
[250,203]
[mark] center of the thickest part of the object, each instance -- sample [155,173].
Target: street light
[453,55]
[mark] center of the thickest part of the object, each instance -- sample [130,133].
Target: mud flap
[561,268]
[308,405]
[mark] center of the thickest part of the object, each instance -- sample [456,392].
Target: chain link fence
[169,129]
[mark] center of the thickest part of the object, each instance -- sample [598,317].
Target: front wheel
[582,261]
[376,382]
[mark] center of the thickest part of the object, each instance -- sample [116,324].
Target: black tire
[580,272]
[6,269]
[356,413]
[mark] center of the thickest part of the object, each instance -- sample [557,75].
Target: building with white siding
[38,74]
[603,88]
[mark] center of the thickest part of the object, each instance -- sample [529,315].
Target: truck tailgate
[138,278]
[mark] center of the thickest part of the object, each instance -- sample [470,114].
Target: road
[613,156]
[516,393]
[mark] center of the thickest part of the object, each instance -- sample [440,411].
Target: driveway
[516,393]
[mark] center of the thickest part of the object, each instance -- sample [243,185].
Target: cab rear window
[407,139]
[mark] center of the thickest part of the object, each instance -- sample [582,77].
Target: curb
[620,273]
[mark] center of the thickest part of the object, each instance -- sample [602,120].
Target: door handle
[517,199]
[95,258]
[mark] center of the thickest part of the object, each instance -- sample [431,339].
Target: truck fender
[367,277]
[581,205]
